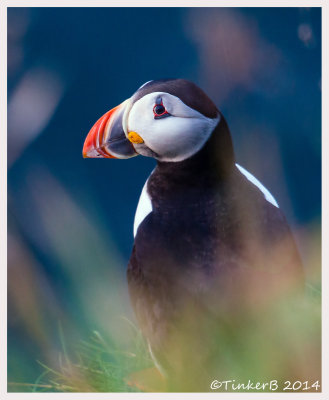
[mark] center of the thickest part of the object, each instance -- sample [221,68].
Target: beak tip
[90,152]
[86,150]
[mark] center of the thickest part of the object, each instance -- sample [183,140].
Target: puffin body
[211,244]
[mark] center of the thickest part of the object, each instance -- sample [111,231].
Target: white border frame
[3,199]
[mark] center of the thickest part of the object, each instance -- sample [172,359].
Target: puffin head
[169,120]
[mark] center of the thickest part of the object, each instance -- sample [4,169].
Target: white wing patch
[268,196]
[144,207]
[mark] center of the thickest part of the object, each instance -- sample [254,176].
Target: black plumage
[212,248]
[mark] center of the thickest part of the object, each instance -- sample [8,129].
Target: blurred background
[70,220]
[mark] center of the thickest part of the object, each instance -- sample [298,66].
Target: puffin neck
[213,163]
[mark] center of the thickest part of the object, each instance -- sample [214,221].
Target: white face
[173,138]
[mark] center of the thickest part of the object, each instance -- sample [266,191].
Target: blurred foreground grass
[283,344]
[95,365]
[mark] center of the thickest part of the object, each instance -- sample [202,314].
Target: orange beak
[107,138]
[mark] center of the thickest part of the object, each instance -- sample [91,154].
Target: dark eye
[159,111]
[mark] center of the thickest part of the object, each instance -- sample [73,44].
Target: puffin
[211,245]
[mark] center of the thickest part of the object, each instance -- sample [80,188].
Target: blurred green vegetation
[96,365]
[278,343]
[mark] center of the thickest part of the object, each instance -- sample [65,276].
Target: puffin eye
[159,111]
